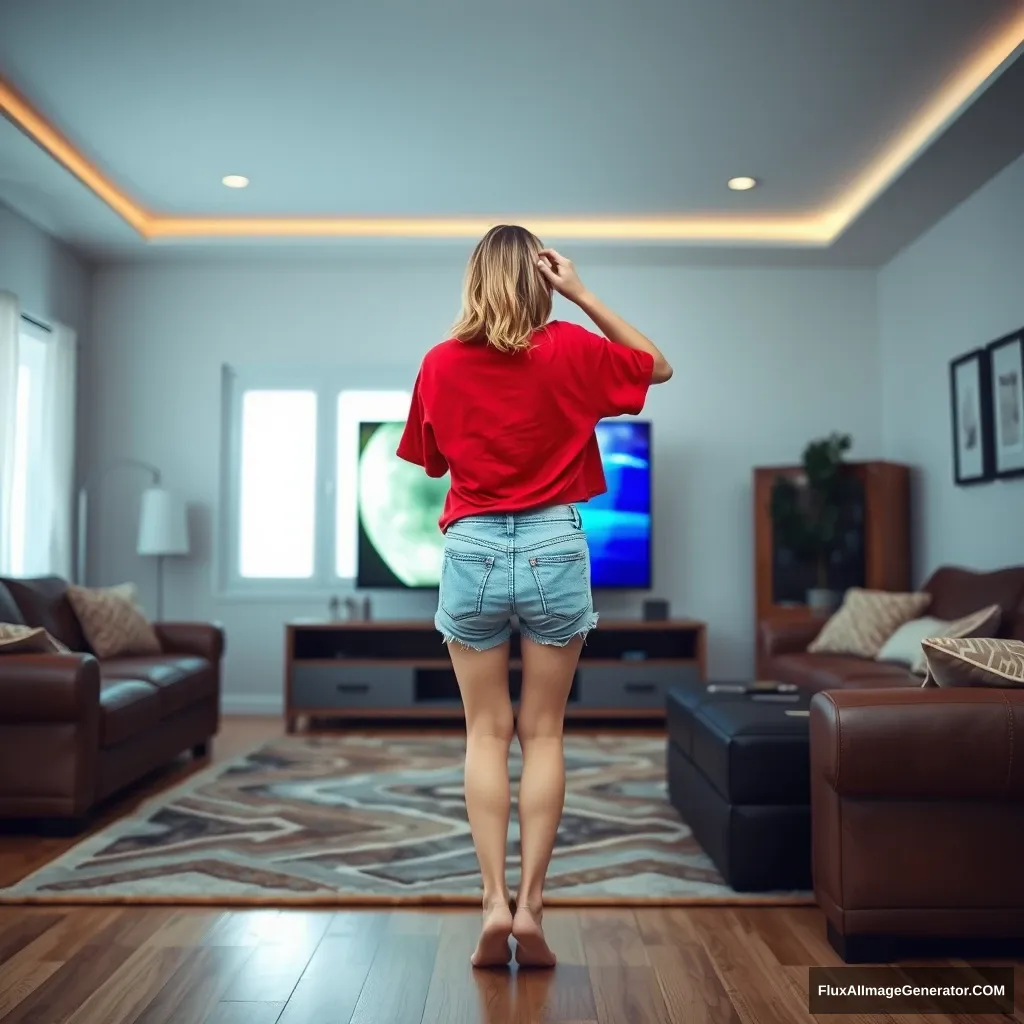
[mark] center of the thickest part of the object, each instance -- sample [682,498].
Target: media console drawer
[350,686]
[631,684]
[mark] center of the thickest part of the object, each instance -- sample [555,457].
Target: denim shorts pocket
[563,583]
[463,578]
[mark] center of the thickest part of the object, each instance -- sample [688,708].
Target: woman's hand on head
[560,274]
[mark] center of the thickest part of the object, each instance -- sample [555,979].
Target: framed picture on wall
[1006,359]
[971,412]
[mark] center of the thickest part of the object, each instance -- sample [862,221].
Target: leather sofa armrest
[201,639]
[919,744]
[788,637]
[37,688]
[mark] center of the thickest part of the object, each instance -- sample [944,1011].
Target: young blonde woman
[508,406]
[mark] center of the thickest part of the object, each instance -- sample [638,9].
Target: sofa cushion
[838,671]
[181,681]
[112,621]
[866,620]
[9,610]
[904,646]
[43,601]
[974,661]
[128,707]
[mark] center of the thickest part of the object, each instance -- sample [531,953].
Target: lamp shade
[163,527]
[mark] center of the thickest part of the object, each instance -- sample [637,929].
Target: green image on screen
[399,541]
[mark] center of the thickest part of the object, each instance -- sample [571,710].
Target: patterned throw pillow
[18,639]
[112,621]
[866,619]
[904,646]
[974,661]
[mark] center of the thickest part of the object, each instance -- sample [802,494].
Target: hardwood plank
[69,986]
[78,927]
[269,975]
[187,927]
[749,973]
[566,992]
[397,983]
[242,928]
[130,988]
[627,995]
[20,985]
[245,1013]
[17,932]
[195,988]
[416,922]
[689,984]
[457,994]
[135,926]
[612,938]
[331,984]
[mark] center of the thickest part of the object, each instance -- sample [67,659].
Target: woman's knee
[496,726]
[530,728]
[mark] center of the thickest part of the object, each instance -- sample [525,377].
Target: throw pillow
[974,661]
[18,639]
[865,620]
[904,646]
[112,621]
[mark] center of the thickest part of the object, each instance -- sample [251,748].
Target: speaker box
[656,610]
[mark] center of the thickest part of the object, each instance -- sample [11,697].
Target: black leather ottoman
[739,775]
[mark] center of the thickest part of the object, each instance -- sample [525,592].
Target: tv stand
[401,670]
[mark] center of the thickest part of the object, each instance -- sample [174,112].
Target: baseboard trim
[251,704]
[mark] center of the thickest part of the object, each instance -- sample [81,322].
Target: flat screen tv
[400,545]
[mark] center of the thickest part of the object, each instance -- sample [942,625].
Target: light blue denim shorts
[531,565]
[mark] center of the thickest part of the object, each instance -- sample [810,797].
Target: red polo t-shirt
[516,431]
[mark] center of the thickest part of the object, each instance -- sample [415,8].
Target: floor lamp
[163,529]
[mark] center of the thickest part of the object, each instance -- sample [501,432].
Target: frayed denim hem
[449,638]
[583,631]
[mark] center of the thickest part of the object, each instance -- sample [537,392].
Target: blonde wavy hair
[505,299]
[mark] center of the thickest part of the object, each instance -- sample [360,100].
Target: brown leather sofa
[917,820]
[783,654]
[74,730]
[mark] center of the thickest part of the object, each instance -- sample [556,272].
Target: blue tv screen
[400,545]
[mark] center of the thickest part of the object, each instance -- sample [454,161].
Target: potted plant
[807,512]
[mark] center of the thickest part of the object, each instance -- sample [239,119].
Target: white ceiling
[450,108]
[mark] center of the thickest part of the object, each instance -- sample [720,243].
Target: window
[291,440]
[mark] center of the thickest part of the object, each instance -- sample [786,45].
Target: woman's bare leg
[483,683]
[547,678]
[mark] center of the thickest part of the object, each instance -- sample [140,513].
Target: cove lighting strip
[816,230]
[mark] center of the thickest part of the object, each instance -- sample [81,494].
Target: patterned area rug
[381,820]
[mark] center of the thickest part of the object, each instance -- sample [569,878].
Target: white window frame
[327,382]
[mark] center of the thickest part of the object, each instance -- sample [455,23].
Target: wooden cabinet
[397,670]
[876,550]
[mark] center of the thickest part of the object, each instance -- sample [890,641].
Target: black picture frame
[1006,402]
[970,396]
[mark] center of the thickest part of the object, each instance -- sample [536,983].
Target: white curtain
[58,445]
[10,323]
[37,445]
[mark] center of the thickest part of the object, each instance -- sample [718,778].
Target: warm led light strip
[816,230]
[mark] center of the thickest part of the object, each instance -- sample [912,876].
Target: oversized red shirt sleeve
[418,444]
[617,378]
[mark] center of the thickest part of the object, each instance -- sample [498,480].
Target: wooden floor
[137,965]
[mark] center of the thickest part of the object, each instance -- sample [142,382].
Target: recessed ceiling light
[235,180]
[741,184]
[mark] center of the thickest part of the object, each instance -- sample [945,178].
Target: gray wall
[959,286]
[752,349]
[49,280]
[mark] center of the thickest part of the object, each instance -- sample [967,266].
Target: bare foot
[532,949]
[493,949]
